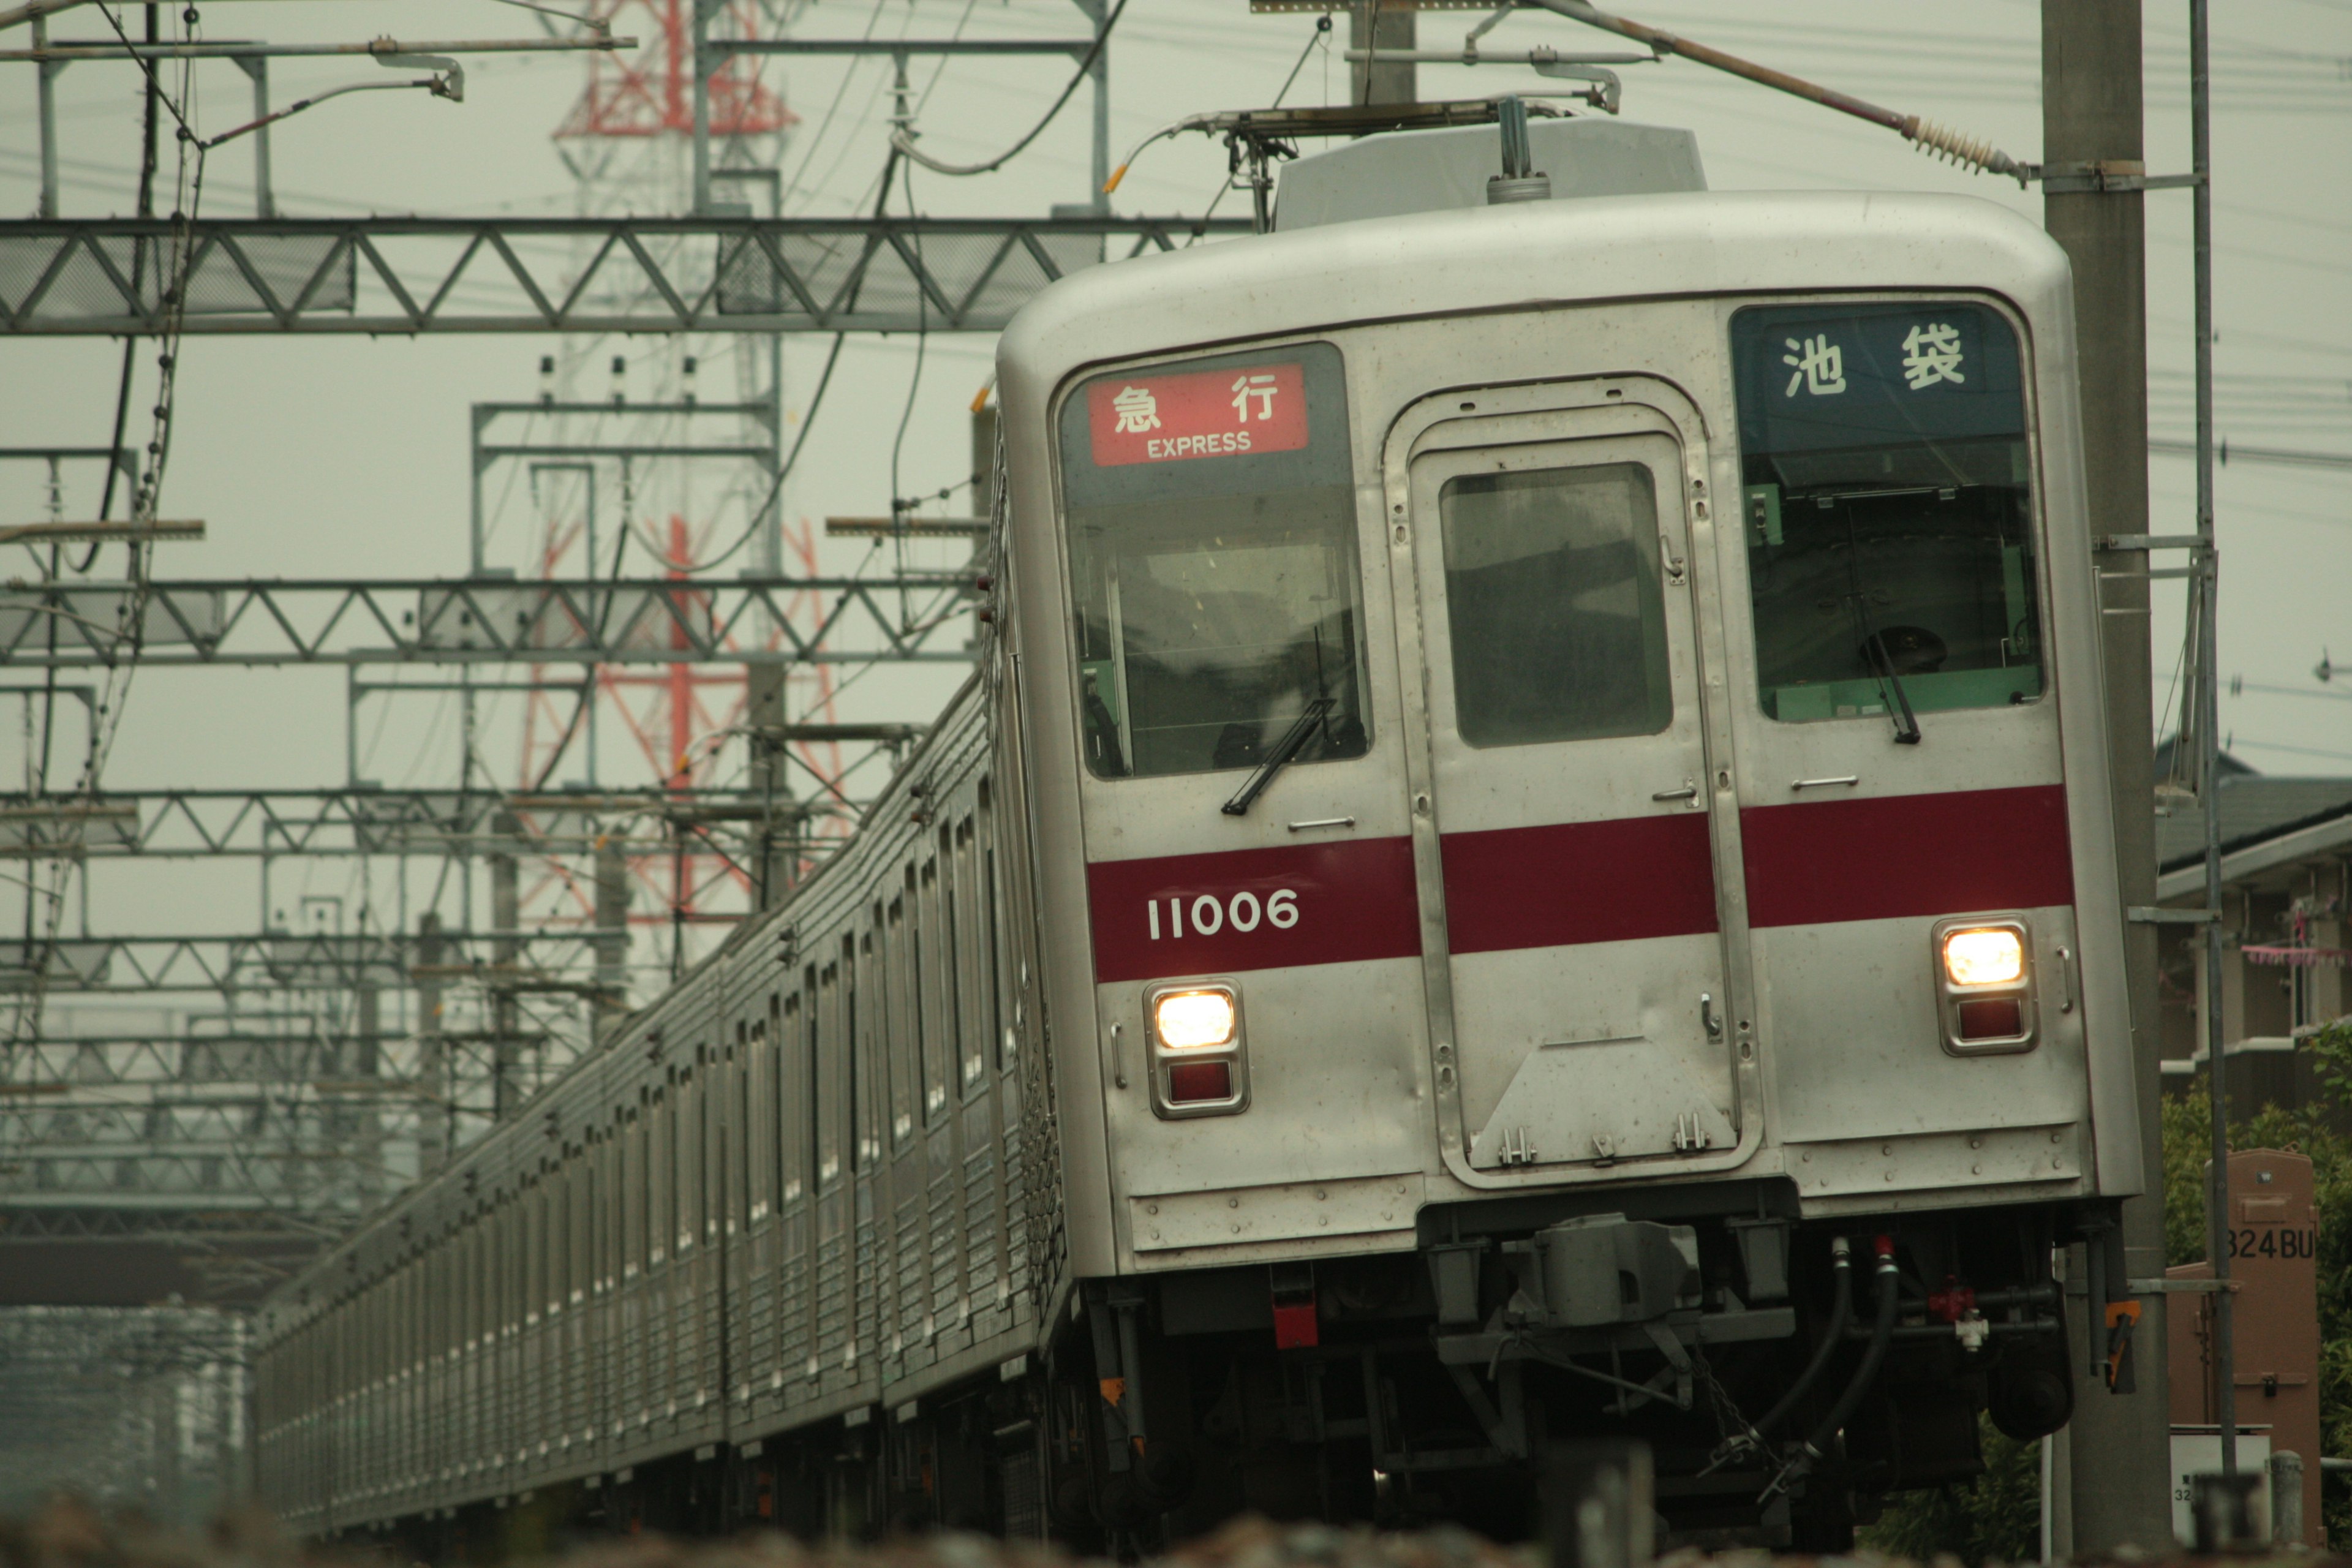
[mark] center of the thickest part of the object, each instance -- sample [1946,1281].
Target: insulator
[1957,148]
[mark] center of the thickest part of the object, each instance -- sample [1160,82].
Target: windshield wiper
[1907,723]
[1873,644]
[1309,719]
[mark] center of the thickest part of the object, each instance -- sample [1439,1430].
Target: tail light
[1984,978]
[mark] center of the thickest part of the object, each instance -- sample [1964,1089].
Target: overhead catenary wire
[816,401]
[1923,134]
[903,140]
[914,380]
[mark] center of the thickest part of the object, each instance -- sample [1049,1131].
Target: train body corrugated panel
[709,1383]
[909,1225]
[542,1404]
[464,1408]
[665,1326]
[536,1322]
[680,1324]
[981,1225]
[835,1309]
[794,1332]
[756,1303]
[870,1279]
[946,1207]
[563,1412]
[629,1406]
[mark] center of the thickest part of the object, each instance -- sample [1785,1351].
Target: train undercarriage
[1786,1376]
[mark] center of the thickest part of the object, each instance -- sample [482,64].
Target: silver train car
[1529,856]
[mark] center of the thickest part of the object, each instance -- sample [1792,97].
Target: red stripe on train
[1341,902]
[1574,882]
[1821,862]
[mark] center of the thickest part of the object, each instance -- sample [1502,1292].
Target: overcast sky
[347,456]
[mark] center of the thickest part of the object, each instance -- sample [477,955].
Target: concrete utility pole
[2119,1444]
[1380,28]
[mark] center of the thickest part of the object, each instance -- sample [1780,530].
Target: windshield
[1212,530]
[1889,509]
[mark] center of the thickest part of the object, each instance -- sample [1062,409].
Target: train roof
[1533,254]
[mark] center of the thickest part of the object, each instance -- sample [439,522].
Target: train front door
[1574,927]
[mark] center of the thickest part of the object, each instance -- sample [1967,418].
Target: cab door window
[1888,507]
[1557,627]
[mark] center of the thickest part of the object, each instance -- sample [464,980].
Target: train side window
[661,1172]
[971,942]
[934,958]
[582,1278]
[798,1075]
[1212,531]
[906,1027]
[502,1256]
[867,1067]
[716,1095]
[992,977]
[556,1210]
[536,1244]
[857,1050]
[1559,621]
[632,1167]
[1888,507]
[555,1229]
[852,1054]
[685,1167]
[759,1126]
[734,1110]
[835,1048]
[829,1112]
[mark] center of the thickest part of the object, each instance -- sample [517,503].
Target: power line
[905,142]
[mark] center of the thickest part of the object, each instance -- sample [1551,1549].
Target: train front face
[1574,834]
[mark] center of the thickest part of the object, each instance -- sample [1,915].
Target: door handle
[1707,1015]
[1688,792]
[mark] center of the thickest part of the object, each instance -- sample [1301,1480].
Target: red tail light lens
[1992,1018]
[1193,1083]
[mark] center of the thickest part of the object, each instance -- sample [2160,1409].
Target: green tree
[1997,1517]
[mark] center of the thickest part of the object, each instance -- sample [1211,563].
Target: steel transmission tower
[672,494]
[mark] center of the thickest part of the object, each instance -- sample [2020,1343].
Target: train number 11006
[1209,914]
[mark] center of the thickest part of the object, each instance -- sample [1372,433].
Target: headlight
[1191,1020]
[1988,956]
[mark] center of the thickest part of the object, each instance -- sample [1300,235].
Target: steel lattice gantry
[351,820]
[210,961]
[404,274]
[482,621]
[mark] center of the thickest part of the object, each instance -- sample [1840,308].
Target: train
[1528,857]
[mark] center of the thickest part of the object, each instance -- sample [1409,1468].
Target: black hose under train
[1874,1356]
[1881,1334]
[1840,1313]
